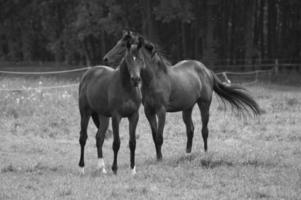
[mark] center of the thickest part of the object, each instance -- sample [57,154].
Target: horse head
[134,61]
[116,54]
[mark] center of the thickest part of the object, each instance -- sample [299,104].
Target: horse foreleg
[116,142]
[151,117]
[100,136]
[161,123]
[186,114]
[133,120]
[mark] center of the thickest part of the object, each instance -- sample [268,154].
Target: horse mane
[153,50]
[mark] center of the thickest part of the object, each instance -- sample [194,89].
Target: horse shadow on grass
[210,161]
[38,168]
[207,161]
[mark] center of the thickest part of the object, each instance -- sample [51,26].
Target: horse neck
[157,67]
[152,74]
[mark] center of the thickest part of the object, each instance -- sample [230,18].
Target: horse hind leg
[100,136]
[95,119]
[204,109]
[161,123]
[152,119]
[186,114]
[83,138]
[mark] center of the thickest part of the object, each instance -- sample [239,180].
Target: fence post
[276,67]
[226,78]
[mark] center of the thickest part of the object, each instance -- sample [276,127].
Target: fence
[227,76]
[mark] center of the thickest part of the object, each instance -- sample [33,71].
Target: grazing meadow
[248,157]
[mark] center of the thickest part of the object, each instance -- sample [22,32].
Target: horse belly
[182,102]
[185,94]
[98,100]
[101,106]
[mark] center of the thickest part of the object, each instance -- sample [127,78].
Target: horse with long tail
[106,93]
[167,88]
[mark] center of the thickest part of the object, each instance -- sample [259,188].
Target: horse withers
[111,93]
[167,88]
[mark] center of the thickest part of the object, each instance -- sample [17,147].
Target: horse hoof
[159,158]
[188,151]
[114,169]
[101,165]
[133,171]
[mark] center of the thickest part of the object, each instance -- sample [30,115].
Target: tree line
[214,31]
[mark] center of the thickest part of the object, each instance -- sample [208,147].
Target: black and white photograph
[150,99]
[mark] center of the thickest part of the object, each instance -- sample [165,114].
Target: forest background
[80,32]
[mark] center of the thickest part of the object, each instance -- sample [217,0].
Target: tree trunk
[148,26]
[183,37]
[249,30]
[210,46]
[102,44]
[272,23]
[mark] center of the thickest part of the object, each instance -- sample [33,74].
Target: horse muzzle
[135,81]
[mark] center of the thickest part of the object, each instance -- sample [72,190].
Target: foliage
[82,31]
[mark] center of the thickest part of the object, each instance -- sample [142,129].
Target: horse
[174,88]
[106,93]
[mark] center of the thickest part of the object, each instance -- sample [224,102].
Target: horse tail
[236,96]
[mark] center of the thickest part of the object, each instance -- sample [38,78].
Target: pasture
[248,158]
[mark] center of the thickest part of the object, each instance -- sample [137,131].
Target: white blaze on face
[101,165]
[134,58]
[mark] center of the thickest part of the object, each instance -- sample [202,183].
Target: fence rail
[47,72]
[274,67]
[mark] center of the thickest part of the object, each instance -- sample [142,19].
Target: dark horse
[104,93]
[178,88]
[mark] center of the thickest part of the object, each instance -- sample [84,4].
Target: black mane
[154,50]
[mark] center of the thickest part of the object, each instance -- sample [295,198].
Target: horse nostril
[136,80]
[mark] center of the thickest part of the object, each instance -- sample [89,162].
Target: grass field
[248,158]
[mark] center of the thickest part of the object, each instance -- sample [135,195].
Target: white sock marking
[82,170]
[187,154]
[134,170]
[101,165]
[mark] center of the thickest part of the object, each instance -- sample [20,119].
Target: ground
[248,158]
